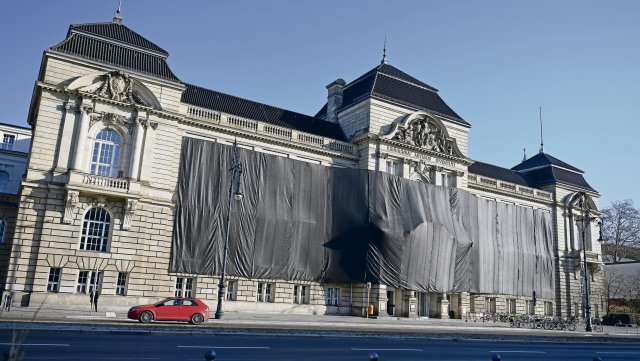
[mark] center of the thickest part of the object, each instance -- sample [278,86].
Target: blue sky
[494,63]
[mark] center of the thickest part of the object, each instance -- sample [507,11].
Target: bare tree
[620,228]
[614,289]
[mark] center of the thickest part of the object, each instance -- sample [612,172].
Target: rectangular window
[530,308]
[448,179]
[491,304]
[54,280]
[2,225]
[87,281]
[8,141]
[548,308]
[265,292]
[511,306]
[121,285]
[231,290]
[300,294]
[392,167]
[184,287]
[333,296]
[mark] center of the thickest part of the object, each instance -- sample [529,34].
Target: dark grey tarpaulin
[300,221]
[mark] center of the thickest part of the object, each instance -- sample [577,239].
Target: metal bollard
[210,355]
[373,357]
[496,357]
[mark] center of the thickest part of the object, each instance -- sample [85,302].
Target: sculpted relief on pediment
[116,85]
[424,132]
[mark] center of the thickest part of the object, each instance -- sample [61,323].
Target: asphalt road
[105,344]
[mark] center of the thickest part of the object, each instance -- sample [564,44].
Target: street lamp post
[586,220]
[236,171]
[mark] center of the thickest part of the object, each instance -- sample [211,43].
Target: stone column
[64,148]
[134,168]
[84,110]
[147,154]
[444,307]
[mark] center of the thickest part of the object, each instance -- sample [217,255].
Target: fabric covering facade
[305,222]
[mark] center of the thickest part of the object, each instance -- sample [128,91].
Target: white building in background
[99,197]
[14,153]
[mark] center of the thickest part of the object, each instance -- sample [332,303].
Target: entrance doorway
[423,304]
[391,304]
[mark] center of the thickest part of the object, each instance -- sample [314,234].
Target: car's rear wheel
[196,319]
[146,317]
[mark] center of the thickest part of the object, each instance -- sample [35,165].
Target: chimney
[334,99]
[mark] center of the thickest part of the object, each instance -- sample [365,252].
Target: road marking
[387,349]
[38,344]
[517,351]
[620,352]
[229,347]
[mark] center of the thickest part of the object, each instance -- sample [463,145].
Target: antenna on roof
[525,154]
[384,52]
[118,18]
[541,139]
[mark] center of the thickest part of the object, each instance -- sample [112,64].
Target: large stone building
[99,199]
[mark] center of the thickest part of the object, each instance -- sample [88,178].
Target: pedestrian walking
[93,298]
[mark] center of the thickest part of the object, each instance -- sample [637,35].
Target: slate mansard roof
[392,84]
[116,45]
[230,104]
[540,170]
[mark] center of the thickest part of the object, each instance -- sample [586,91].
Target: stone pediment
[424,131]
[116,85]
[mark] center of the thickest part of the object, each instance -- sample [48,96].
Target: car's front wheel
[146,317]
[197,319]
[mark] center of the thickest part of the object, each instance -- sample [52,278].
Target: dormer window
[105,160]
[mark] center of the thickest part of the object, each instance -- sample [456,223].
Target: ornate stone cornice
[110,119]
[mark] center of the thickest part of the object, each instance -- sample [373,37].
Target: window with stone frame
[333,296]
[184,287]
[448,179]
[490,305]
[121,283]
[231,288]
[53,284]
[393,167]
[531,309]
[548,308]
[511,305]
[2,228]
[87,281]
[265,292]
[96,227]
[4,181]
[300,294]
[105,159]
[7,142]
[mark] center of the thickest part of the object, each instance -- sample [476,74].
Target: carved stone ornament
[129,212]
[116,85]
[423,169]
[110,120]
[100,202]
[424,133]
[148,123]
[72,200]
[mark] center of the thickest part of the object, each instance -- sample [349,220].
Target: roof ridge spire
[117,19]
[384,52]
[541,139]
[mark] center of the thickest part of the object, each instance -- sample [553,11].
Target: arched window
[105,160]
[95,230]
[4,181]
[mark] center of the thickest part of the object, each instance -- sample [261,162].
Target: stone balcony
[91,183]
[512,189]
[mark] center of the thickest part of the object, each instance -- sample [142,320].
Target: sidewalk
[235,320]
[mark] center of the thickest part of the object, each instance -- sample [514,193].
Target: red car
[172,309]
